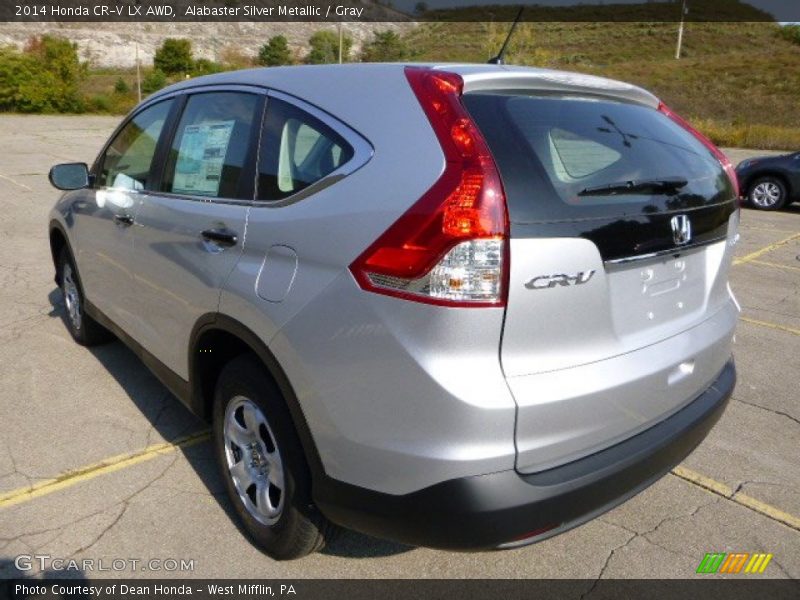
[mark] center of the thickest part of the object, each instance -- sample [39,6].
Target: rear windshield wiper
[653,186]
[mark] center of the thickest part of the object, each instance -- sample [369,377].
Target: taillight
[719,154]
[450,247]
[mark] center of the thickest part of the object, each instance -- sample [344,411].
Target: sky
[783,10]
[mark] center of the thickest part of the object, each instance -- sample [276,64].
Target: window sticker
[201,158]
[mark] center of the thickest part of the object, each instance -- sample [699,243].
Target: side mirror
[69,176]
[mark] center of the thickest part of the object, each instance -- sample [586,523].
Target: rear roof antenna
[500,58]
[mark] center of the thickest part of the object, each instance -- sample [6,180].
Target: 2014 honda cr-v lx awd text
[459,306]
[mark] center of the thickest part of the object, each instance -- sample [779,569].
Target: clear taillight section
[450,247]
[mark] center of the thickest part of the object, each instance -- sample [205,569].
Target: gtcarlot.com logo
[45,562]
[736,562]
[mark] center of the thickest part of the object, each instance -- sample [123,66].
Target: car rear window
[553,152]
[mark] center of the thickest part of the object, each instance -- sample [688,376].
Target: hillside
[113,45]
[739,81]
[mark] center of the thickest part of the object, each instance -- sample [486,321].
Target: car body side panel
[102,248]
[379,379]
[399,395]
[177,275]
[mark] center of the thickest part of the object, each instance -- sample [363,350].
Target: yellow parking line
[720,489]
[758,253]
[123,461]
[110,465]
[775,265]
[791,330]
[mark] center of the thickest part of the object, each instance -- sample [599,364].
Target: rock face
[114,44]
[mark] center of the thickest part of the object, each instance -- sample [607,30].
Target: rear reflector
[719,154]
[450,247]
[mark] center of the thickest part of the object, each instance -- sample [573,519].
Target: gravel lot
[64,408]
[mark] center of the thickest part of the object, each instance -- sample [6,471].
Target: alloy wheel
[72,297]
[765,194]
[253,460]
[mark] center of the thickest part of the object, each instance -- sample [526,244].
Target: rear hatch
[621,226]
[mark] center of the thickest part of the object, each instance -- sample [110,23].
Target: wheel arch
[58,241]
[216,339]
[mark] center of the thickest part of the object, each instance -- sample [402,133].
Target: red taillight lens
[449,247]
[719,154]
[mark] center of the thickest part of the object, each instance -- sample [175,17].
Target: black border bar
[66,11]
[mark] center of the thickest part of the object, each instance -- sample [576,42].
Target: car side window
[127,160]
[297,149]
[211,145]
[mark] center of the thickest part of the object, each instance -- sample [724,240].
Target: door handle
[220,237]
[124,220]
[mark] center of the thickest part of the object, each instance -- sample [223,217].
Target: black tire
[299,528]
[83,328]
[759,198]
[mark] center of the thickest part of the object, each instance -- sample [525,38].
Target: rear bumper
[494,510]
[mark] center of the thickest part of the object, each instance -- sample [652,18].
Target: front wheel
[83,328]
[767,193]
[263,464]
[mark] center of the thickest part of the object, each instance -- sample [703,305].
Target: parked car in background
[770,182]
[465,306]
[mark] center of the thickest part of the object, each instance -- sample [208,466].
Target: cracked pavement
[64,407]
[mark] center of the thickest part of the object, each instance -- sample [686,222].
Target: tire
[83,328]
[266,473]
[767,193]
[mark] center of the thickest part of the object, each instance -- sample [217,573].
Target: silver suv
[459,306]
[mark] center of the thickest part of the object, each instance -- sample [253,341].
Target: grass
[738,82]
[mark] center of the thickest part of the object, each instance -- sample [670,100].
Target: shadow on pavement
[171,420]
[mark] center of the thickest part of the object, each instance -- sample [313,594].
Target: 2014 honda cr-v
[460,306]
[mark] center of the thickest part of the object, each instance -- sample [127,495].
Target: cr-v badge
[544,282]
[681,229]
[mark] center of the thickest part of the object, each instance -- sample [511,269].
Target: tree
[420,8]
[275,52]
[386,46]
[45,77]
[174,56]
[325,48]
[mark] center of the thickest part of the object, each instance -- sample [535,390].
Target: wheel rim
[766,194]
[253,460]
[72,297]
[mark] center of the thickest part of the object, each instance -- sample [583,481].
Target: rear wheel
[767,193]
[263,465]
[84,329]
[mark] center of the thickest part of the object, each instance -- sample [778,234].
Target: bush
[790,33]
[45,77]
[275,52]
[233,57]
[325,48]
[387,46]
[121,87]
[203,66]
[154,81]
[174,56]
[100,103]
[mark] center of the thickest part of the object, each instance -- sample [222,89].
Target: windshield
[559,155]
